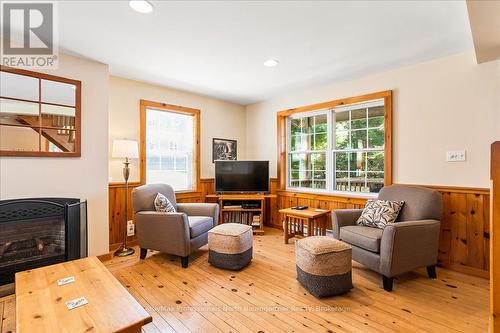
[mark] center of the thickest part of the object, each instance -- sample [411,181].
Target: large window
[170,137]
[337,148]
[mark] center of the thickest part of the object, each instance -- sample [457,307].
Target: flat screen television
[241,176]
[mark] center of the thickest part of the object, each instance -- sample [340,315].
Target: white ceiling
[217,48]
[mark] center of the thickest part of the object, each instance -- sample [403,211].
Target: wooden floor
[265,297]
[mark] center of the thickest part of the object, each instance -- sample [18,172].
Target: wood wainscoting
[464,243]
[464,240]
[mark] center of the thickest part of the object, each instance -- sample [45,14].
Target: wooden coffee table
[40,302]
[296,221]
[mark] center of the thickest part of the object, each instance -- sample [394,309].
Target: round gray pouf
[324,265]
[230,246]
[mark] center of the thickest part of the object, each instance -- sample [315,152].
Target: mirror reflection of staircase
[58,130]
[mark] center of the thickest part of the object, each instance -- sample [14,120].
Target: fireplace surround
[37,232]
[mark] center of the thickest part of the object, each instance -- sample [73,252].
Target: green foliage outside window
[358,150]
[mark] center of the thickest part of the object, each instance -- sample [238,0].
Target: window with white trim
[340,149]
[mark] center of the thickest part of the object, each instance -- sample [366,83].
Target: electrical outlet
[130,228]
[455,156]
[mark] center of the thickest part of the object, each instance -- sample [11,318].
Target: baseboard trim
[466,270]
[115,246]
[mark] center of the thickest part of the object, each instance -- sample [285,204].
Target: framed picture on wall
[224,149]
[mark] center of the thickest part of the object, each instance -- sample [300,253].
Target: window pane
[376,138]
[358,139]
[375,161]
[357,161]
[358,118]
[167,162]
[320,141]
[341,162]
[181,163]
[169,149]
[308,170]
[309,133]
[357,181]
[320,124]
[153,162]
[376,116]
[375,181]
[318,161]
[341,139]
[307,124]
[295,126]
[341,181]
[301,142]
[342,121]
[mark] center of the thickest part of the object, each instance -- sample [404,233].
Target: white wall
[218,119]
[445,104]
[85,177]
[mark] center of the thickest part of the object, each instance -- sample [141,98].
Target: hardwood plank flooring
[266,297]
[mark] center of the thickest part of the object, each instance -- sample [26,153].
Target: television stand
[249,209]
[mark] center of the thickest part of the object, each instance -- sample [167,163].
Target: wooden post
[495,239]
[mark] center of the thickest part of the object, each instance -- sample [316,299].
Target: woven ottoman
[324,265]
[230,246]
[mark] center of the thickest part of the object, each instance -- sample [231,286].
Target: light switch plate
[455,156]
[130,228]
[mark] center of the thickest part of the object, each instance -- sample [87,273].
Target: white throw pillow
[162,204]
[379,213]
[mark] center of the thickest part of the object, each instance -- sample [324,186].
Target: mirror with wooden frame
[40,114]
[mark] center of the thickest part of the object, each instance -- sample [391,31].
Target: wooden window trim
[144,105]
[282,131]
[78,111]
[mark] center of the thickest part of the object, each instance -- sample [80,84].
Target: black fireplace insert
[39,232]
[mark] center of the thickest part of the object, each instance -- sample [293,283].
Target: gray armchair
[179,233]
[410,243]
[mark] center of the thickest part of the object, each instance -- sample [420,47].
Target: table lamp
[126,149]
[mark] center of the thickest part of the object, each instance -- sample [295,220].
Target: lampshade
[125,148]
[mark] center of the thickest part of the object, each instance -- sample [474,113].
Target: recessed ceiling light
[141,6]
[272,62]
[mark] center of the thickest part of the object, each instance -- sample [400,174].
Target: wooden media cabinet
[247,209]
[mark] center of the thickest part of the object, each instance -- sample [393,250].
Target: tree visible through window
[340,149]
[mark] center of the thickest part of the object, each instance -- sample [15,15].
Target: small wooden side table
[315,220]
